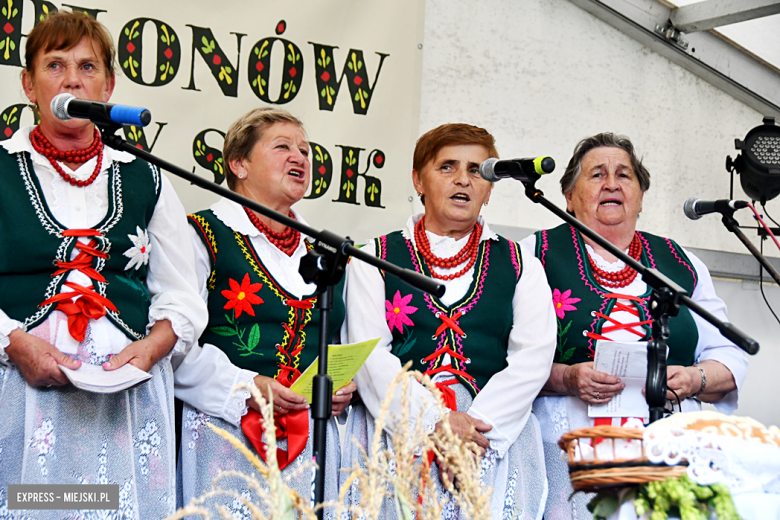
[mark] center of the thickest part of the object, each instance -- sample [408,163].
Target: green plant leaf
[224,331]
[254,336]
[569,353]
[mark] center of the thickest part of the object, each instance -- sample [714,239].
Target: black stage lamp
[759,164]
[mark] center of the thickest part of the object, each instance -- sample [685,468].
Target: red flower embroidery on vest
[242,297]
[398,311]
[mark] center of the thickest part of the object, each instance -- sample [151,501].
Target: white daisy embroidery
[139,253]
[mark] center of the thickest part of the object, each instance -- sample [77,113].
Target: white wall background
[542,74]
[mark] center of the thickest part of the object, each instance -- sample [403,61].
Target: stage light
[759,163]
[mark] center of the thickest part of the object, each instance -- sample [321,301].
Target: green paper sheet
[344,361]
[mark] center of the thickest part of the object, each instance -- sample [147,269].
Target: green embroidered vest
[476,327]
[32,240]
[565,260]
[252,318]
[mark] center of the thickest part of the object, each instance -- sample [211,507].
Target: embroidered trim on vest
[292,328]
[514,249]
[211,242]
[683,262]
[381,253]
[462,308]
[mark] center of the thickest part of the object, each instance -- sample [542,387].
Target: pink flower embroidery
[398,312]
[562,302]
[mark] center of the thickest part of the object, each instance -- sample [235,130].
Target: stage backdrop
[349,69]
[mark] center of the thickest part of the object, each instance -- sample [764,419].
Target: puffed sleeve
[171,279]
[712,345]
[505,401]
[365,300]
[205,378]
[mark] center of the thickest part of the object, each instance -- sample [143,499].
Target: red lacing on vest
[449,323]
[630,327]
[86,303]
[288,374]
[448,394]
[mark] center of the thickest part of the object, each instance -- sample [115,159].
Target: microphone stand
[665,302]
[733,226]
[323,265]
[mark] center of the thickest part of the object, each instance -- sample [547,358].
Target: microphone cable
[761,244]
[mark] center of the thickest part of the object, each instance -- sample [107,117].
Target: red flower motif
[358,80]
[209,157]
[293,72]
[350,173]
[130,47]
[325,76]
[322,169]
[259,66]
[138,145]
[379,159]
[217,60]
[562,302]
[8,132]
[8,28]
[398,312]
[168,53]
[242,297]
[280,28]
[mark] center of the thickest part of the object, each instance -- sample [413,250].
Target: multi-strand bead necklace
[466,255]
[620,278]
[286,241]
[44,147]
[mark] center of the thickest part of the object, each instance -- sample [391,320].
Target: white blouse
[171,276]
[711,345]
[505,401]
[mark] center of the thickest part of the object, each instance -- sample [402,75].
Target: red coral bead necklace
[286,241]
[623,277]
[468,254]
[42,145]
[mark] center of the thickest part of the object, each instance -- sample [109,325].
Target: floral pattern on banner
[139,252]
[194,422]
[148,444]
[43,440]
[242,297]
[563,302]
[238,510]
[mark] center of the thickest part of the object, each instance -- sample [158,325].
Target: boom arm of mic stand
[652,278]
[733,226]
[410,277]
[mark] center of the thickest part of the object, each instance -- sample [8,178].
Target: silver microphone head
[59,106]
[690,210]
[486,170]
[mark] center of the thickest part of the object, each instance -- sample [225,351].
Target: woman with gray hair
[599,298]
[263,326]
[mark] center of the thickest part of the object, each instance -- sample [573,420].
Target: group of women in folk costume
[100,267]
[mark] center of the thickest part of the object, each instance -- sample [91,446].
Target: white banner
[351,70]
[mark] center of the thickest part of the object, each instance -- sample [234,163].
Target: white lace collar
[233,216]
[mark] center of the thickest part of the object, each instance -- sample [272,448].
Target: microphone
[67,106]
[695,208]
[519,169]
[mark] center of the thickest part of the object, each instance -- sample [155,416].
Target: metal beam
[703,16]
[702,53]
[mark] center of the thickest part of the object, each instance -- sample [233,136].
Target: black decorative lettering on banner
[259,68]
[221,68]
[43,9]
[130,52]
[360,89]
[321,170]
[208,157]
[11,33]
[349,175]
[136,136]
[92,13]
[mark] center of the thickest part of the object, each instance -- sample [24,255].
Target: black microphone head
[487,170]
[59,106]
[690,208]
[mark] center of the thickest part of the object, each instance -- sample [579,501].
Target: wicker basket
[601,474]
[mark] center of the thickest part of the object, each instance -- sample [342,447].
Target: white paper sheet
[628,361]
[93,378]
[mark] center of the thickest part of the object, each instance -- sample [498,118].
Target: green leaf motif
[349,65]
[319,62]
[5,13]
[357,96]
[224,331]
[254,336]
[204,41]
[127,31]
[322,93]
[569,353]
